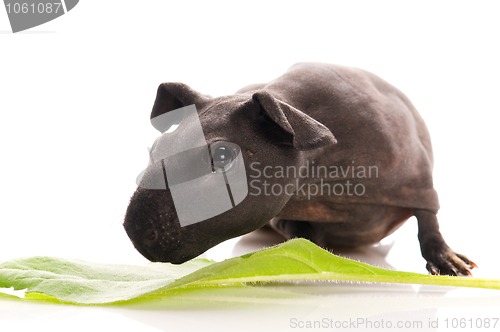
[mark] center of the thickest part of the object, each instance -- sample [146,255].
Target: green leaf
[87,283]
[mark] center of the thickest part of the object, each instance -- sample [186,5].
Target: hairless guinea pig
[328,153]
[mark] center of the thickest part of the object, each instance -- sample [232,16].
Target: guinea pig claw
[471,264]
[432,268]
[444,261]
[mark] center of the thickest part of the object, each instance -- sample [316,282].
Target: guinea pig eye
[222,157]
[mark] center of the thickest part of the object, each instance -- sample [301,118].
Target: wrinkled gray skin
[326,114]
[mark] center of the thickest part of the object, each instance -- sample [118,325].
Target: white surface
[277,308]
[75,98]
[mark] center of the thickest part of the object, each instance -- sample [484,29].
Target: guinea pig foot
[446,262]
[440,258]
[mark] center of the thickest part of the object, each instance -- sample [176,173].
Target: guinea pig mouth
[152,227]
[142,246]
[152,243]
[157,244]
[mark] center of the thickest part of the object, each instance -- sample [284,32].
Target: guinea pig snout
[152,225]
[144,240]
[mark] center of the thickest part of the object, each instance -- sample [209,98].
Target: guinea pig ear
[307,133]
[171,96]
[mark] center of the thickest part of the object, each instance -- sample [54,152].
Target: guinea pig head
[195,191]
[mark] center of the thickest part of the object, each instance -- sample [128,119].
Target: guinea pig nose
[151,236]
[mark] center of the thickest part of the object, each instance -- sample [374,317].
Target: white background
[76,95]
